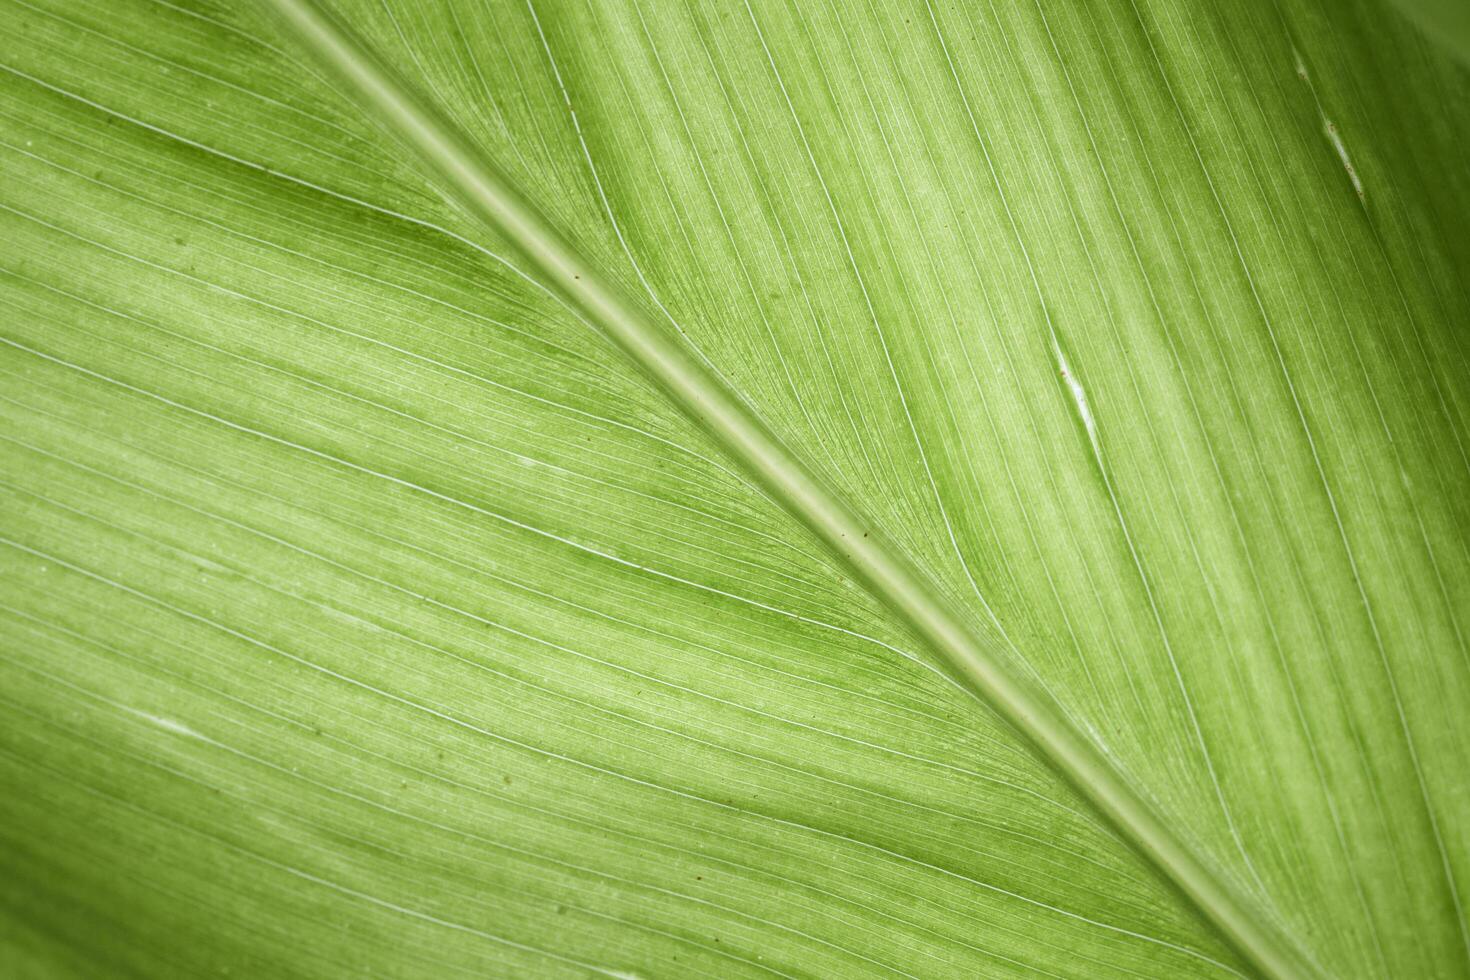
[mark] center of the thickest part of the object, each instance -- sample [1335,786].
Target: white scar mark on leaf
[168,724]
[1329,128]
[1079,398]
[1301,66]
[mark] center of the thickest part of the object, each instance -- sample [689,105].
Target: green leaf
[1444,21]
[944,490]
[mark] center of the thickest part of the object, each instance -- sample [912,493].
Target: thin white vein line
[261,932]
[228,28]
[474,62]
[928,347]
[276,215]
[478,570]
[281,175]
[1392,193]
[1007,360]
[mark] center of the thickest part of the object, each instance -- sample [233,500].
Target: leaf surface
[367,610]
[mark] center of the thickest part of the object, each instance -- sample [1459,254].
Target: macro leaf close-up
[798,488]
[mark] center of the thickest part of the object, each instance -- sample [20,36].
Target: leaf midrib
[461,169]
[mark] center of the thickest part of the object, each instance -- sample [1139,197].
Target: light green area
[1445,22]
[365,610]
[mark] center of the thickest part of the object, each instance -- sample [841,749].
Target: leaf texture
[366,610]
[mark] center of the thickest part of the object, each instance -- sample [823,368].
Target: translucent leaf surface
[364,609]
